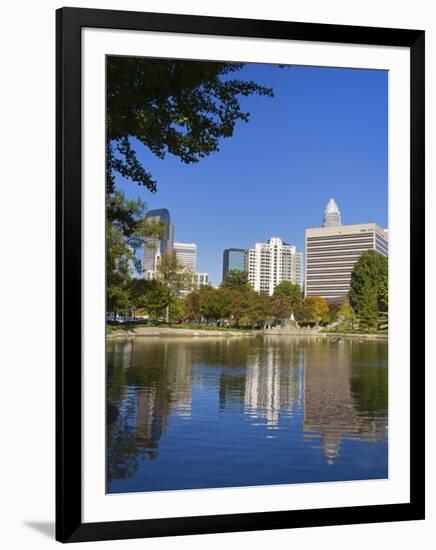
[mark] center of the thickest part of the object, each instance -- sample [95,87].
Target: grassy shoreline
[124,332]
[194,330]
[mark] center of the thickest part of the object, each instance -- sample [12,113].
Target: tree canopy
[281,308]
[289,290]
[369,288]
[174,274]
[171,106]
[126,228]
[150,296]
[312,310]
[236,279]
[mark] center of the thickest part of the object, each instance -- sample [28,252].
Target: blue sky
[323,135]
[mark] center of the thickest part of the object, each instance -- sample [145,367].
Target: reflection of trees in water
[369,384]
[345,393]
[147,382]
[340,387]
[369,387]
[122,450]
[151,379]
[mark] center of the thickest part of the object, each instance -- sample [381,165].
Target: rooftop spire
[332,215]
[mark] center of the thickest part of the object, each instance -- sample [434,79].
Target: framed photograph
[240,269]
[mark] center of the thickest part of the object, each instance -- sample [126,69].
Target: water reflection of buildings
[265,381]
[274,382]
[149,426]
[330,411]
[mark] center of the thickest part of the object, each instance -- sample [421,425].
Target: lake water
[187,413]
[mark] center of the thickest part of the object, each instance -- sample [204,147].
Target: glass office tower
[155,246]
[234,258]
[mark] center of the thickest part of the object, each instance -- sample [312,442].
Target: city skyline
[275,175]
[277,374]
[268,264]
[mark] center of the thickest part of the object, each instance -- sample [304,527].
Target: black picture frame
[69,525]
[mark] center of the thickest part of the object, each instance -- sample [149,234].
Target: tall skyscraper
[187,254]
[332,251]
[155,246]
[234,258]
[273,262]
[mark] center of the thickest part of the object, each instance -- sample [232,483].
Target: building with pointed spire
[332,215]
[333,249]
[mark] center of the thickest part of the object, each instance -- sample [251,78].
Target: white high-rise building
[273,262]
[187,254]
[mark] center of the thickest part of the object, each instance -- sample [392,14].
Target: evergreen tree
[369,288]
